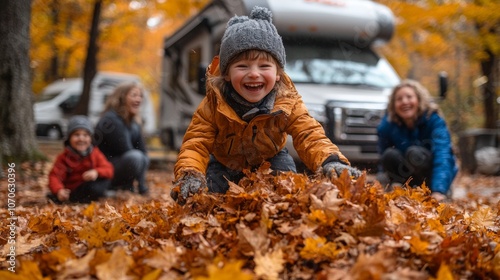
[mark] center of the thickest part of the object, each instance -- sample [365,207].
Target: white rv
[329,56]
[56,101]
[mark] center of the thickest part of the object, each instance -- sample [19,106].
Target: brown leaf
[251,241]
[76,268]
[269,265]
[164,258]
[117,267]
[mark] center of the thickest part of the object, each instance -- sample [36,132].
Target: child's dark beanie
[79,122]
[255,32]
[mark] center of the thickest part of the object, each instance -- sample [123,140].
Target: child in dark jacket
[81,173]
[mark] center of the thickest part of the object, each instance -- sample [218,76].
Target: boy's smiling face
[253,78]
[80,140]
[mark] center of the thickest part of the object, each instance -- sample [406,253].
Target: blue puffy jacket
[430,132]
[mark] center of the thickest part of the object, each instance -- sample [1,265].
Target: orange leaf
[444,273]
[229,271]
[319,248]
[28,270]
[42,223]
[418,246]
[89,211]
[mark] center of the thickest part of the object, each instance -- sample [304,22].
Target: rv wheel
[54,133]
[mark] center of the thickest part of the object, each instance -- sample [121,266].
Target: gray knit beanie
[253,32]
[79,122]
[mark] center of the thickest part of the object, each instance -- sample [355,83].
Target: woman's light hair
[117,101]
[425,103]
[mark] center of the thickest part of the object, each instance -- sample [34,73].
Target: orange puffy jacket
[217,129]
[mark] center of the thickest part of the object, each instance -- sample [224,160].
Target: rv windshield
[340,64]
[47,96]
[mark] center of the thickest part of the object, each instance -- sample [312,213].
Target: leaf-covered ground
[267,227]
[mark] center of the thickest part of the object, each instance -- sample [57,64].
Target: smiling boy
[81,173]
[250,108]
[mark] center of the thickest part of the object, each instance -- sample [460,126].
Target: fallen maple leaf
[319,249]
[251,241]
[76,268]
[418,245]
[28,270]
[117,267]
[330,202]
[373,266]
[444,273]
[226,271]
[483,218]
[164,258]
[496,264]
[269,265]
[42,223]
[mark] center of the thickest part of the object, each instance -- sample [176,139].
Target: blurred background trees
[459,37]
[130,38]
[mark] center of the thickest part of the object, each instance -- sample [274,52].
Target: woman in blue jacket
[414,142]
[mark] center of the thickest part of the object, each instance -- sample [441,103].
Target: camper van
[330,57]
[56,102]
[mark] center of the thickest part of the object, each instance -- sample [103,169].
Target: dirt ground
[160,177]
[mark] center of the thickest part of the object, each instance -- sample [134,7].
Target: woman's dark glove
[383,178]
[334,169]
[188,185]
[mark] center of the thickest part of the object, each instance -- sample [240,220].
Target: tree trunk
[489,90]
[90,68]
[17,126]
[53,73]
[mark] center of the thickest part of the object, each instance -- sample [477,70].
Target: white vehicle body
[329,56]
[54,105]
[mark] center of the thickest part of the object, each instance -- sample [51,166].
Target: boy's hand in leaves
[334,169]
[63,194]
[188,185]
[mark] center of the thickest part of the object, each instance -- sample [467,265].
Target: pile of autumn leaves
[268,227]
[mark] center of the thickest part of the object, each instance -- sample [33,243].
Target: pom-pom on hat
[247,33]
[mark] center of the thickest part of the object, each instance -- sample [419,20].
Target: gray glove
[188,185]
[383,178]
[338,167]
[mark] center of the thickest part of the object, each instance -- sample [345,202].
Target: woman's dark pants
[415,163]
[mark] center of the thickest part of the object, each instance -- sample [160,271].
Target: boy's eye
[240,65]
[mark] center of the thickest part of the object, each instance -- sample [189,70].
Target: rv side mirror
[202,79]
[66,107]
[69,104]
[443,84]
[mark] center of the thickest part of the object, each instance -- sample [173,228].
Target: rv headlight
[318,112]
